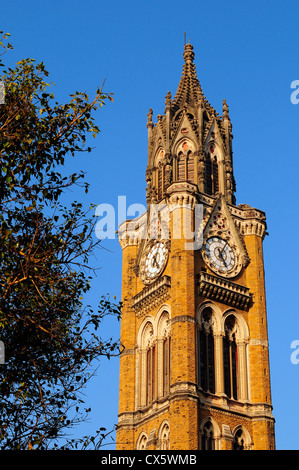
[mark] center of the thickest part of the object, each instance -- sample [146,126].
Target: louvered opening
[190,168]
[181,168]
[211,175]
[208,175]
[215,176]
[160,182]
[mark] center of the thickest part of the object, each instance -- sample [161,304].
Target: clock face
[155,261]
[220,255]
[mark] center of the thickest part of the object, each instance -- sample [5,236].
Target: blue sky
[245,52]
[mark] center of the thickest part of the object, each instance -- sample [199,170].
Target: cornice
[225,291]
[151,296]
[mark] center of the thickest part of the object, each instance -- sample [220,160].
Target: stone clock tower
[194,371]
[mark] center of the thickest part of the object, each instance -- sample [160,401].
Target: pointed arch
[235,340]
[145,332]
[164,349]
[214,159]
[190,167]
[241,438]
[217,314]
[209,434]
[185,166]
[211,174]
[146,363]
[162,321]
[242,329]
[208,326]
[235,355]
[164,436]
[153,364]
[224,335]
[142,440]
[160,172]
[230,358]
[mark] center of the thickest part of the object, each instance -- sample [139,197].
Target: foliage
[51,340]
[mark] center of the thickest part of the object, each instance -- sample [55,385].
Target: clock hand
[154,262]
[220,252]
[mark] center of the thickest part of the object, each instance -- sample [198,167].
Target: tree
[51,339]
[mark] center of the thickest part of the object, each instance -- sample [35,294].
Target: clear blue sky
[247,53]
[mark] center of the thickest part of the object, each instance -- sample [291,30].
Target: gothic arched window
[230,358]
[205,350]
[153,364]
[185,168]
[150,373]
[239,441]
[164,437]
[160,181]
[164,342]
[160,173]
[207,438]
[211,174]
[166,365]
[190,167]
[142,442]
[181,167]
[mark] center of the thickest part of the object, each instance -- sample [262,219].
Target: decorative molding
[220,223]
[128,351]
[227,407]
[182,194]
[253,227]
[151,296]
[145,414]
[227,292]
[249,411]
[131,232]
[183,319]
[259,342]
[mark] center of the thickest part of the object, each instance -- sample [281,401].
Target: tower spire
[189,90]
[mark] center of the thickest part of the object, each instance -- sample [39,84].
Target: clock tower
[194,369]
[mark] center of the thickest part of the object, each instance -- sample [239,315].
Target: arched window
[150,373]
[230,358]
[185,161]
[181,167]
[190,167]
[186,167]
[142,442]
[211,174]
[207,437]
[160,173]
[166,365]
[160,181]
[153,365]
[205,352]
[164,437]
[146,377]
[164,342]
[239,441]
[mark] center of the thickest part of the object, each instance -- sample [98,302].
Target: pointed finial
[188,52]
[168,99]
[150,118]
[225,110]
